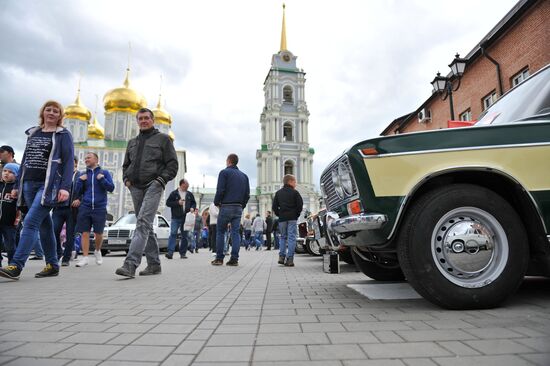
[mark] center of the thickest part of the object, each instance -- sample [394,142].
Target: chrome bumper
[362,224]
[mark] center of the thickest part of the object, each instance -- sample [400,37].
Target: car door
[162,231]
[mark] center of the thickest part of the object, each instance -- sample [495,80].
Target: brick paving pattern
[256,314]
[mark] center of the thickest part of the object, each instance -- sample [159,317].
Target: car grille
[118,234]
[331,198]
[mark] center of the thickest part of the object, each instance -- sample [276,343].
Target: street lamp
[442,84]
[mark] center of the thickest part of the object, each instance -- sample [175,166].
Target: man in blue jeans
[180,202]
[287,204]
[232,195]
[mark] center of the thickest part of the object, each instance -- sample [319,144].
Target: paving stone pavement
[259,313]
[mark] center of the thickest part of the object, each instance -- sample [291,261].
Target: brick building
[515,48]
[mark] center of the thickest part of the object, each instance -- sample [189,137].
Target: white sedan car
[119,235]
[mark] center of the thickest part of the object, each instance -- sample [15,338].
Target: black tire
[478,276]
[104,252]
[377,271]
[345,255]
[313,247]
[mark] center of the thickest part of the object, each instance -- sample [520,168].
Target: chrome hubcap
[470,247]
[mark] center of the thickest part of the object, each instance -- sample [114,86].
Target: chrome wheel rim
[315,247]
[469,247]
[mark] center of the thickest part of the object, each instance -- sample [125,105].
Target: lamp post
[442,84]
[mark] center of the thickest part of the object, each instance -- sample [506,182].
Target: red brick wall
[525,44]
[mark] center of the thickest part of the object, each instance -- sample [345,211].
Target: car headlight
[345,179]
[337,184]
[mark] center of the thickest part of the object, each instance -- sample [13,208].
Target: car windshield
[530,100]
[126,220]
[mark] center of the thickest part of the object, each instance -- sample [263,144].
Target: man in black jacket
[180,202]
[287,204]
[268,229]
[150,162]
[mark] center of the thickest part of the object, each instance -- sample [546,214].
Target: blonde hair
[247,216]
[55,104]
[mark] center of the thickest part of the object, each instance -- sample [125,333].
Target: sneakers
[232,262]
[11,272]
[183,256]
[98,257]
[169,256]
[281,260]
[217,262]
[289,262]
[196,250]
[48,271]
[65,263]
[126,271]
[82,262]
[150,270]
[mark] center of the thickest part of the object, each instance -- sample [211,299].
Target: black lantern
[457,66]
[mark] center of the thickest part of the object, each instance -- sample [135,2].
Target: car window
[126,220]
[162,222]
[529,100]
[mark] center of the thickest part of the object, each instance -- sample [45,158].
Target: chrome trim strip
[357,223]
[435,174]
[389,155]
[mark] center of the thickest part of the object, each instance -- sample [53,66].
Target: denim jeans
[175,226]
[247,238]
[276,239]
[38,251]
[258,239]
[190,236]
[146,202]
[37,221]
[287,230]
[60,216]
[7,235]
[230,214]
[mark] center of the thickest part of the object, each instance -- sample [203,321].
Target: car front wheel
[463,247]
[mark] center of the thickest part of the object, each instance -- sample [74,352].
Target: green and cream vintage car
[463,214]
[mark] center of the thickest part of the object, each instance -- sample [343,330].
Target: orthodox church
[121,105]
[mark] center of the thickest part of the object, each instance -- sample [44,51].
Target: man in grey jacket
[149,164]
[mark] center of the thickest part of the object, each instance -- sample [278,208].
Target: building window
[466,115]
[520,77]
[489,99]
[287,94]
[289,167]
[287,132]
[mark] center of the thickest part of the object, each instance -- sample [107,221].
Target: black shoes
[281,260]
[11,272]
[151,270]
[196,250]
[183,256]
[126,271]
[232,262]
[169,256]
[289,262]
[36,258]
[48,271]
[217,262]
[65,263]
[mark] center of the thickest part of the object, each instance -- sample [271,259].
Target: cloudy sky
[367,62]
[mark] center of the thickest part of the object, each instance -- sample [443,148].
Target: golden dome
[77,110]
[161,115]
[95,130]
[124,98]
[171,135]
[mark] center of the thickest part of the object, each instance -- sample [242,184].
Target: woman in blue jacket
[43,183]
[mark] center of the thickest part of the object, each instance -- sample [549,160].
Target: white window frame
[466,115]
[520,77]
[489,99]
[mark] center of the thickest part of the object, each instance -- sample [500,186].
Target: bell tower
[284,129]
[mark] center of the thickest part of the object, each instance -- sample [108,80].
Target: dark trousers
[268,239]
[7,235]
[212,237]
[64,215]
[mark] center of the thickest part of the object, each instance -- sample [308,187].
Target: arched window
[287,132]
[287,94]
[289,167]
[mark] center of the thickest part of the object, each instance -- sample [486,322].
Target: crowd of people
[45,195]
